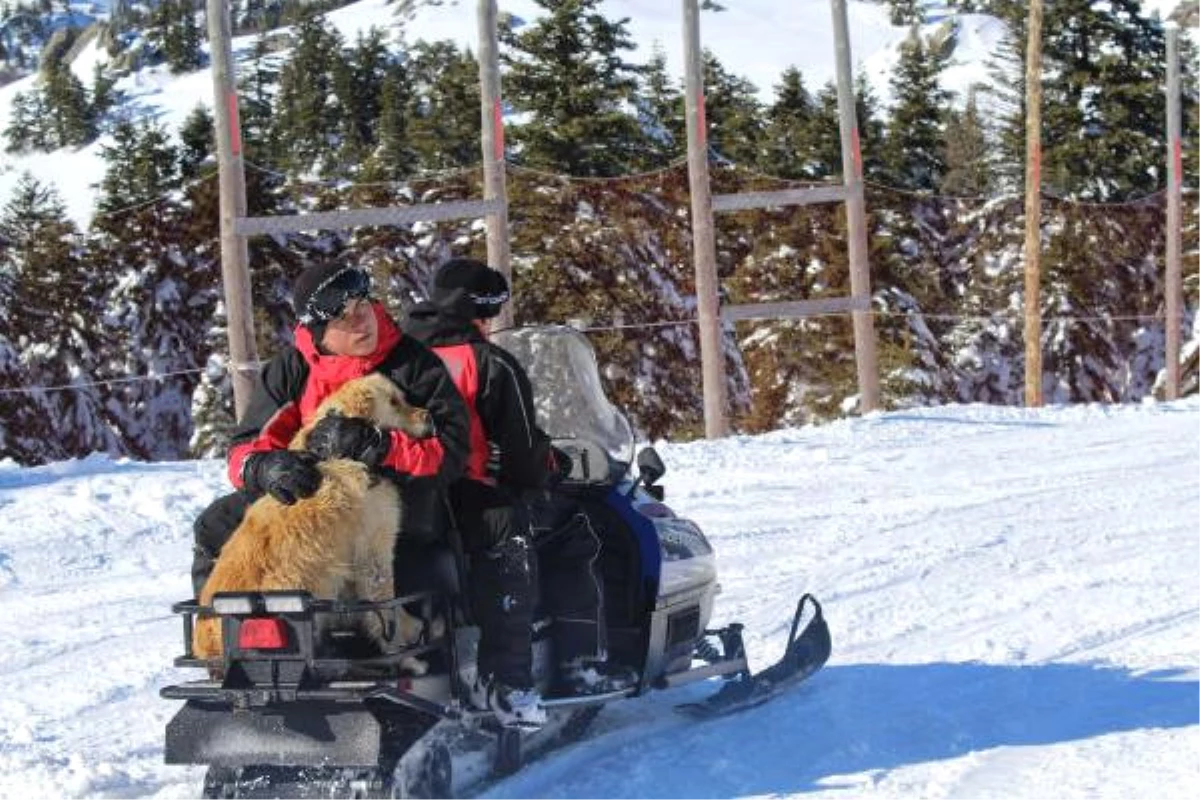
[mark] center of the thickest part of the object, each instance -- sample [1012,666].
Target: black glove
[285,474]
[336,436]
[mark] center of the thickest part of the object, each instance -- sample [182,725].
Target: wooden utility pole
[1174,282]
[704,243]
[494,187]
[1033,207]
[235,256]
[856,218]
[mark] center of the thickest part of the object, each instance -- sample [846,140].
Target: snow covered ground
[1013,596]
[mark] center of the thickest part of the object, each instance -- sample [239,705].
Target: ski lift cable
[334,183]
[721,161]
[994,317]
[113,212]
[670,166]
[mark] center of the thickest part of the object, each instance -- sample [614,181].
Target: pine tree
[914,248]
[72,123]
[175,34]
[871,128]
[443,124]
[161,249]
[142,164]
[733,114]
[27,124]
[103,93]
[358,85]
[197,141]
[1102,99]
[826,136]
[566,72]
[190,57]
[160,31]
[304,116]
[786,148]
[905,12]
[257,83]
[51,336]
[966,153]
[912,151]
[394,158]
[1002,100]
[119,16]
[212,401]
[985,344]
[660,114]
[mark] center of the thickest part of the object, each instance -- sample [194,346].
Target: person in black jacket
[510,456]
[342,334]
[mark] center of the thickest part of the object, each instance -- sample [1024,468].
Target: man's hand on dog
[286,475]
[336,436]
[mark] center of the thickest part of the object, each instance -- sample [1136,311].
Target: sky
[1013,595]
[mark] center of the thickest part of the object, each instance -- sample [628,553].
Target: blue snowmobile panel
[643,530]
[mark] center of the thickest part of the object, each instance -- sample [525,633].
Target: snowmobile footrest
[719,669]
[580,700]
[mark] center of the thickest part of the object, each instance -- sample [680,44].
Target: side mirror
[650,466]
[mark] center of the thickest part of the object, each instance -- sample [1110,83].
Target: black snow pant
[212,530]
[501,580]
[568,551]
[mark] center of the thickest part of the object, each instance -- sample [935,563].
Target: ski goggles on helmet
[329,300]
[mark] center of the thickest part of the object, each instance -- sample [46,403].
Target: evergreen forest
[112,337]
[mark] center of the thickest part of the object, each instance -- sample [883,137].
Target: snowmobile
[300,705]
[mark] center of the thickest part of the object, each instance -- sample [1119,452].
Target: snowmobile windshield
[570,399]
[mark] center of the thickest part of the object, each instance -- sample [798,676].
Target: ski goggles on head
[328,302]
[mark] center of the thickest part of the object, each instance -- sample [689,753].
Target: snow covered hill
[756,39]
[1012,593]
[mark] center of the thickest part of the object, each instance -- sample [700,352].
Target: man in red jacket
[343,334]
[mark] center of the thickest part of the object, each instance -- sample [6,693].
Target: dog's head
[376,398]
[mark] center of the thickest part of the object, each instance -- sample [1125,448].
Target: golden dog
[335,544]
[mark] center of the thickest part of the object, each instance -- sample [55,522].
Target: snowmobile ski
[807,651]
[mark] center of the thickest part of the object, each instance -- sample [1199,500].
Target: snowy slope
[1012,593]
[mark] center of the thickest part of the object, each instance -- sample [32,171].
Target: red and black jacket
[293,384]
[498,393]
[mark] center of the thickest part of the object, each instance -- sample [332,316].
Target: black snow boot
[502,588]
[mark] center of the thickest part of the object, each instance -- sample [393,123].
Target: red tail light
[263,633]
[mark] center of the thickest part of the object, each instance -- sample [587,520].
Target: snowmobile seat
[428,552]
[425,567]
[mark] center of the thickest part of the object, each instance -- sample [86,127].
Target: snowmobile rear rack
[315,657]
